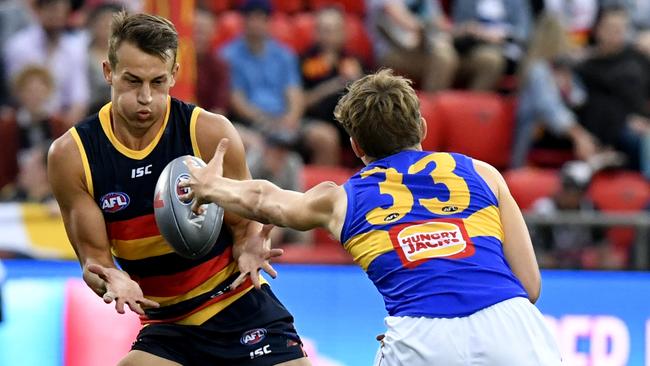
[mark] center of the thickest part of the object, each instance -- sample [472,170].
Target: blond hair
[381,112]
[550,40]
[32,71]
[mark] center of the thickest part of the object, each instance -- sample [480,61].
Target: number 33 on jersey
[432,222]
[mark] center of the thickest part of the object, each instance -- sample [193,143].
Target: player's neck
[133,136]
[369,159]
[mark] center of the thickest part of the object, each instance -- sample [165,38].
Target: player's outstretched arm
[251,246]
[86,228]
[263,201]
[517,245]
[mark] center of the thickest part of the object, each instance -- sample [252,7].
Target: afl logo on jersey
[182,191]
[392,217]
[449,209]
[114,201]
[253,336]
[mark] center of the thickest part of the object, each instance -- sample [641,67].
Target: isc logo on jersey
[435,239]
[114,201]
[253,336]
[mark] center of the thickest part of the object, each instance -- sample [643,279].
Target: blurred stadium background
[588,209]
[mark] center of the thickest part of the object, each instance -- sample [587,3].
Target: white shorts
[512,332]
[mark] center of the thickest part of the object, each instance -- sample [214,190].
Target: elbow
[253,202]
[259,207]
[534,289]
[533,296]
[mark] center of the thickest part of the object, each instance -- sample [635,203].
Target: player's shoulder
[63,146]
[329,199]
[64,157]
[210,129]
[214,125]
[326,189]
[483,166]
[327,195]
[490,175]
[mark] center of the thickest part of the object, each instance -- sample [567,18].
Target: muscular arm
[210,129]
[322,206]
[265,202]
[82,217]
[517,245]
[86,229]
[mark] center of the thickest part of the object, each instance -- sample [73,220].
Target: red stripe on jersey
[180,283]
[244,286]
[136,228]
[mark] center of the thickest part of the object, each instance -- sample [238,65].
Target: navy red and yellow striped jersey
[122,182]
[426,229]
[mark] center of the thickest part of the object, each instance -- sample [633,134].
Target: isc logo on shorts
[440,238]
[253,336]
[114,201]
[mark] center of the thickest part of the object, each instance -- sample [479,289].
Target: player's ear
[108,72]
[358,151]
[423,129]
[174,72]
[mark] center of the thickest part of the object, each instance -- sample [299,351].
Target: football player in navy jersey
[437,233]
[103,173]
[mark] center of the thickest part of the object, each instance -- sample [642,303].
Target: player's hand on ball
[255,255]
[202,179]
[122,289]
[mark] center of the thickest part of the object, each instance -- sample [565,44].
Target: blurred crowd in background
[554,93]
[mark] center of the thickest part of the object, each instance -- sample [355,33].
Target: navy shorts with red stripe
[255,330]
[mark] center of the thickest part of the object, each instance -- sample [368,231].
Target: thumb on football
[217,159]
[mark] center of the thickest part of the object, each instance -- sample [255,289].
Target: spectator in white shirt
[45,43]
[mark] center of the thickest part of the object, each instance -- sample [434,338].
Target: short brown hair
[382,113]
[32,71]
[152,34]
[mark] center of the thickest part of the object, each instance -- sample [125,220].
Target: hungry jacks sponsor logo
[440,238]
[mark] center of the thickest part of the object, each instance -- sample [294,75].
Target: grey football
[191,236]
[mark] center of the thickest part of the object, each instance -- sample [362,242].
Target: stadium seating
[218,6]
[477,124]
[296,31]
[287,6]
[229,25]
[358,42]
[620,192]
[312,175]
[530,184]
[357,7]
[281,28]
[435,132]
[304,25]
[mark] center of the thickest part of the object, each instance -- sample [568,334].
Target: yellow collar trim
[105,120]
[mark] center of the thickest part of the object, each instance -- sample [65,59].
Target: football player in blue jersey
[438,234]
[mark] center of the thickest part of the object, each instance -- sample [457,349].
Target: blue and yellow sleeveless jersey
[122,182]
[426,229]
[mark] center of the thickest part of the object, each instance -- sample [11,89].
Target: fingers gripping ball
[191,235]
